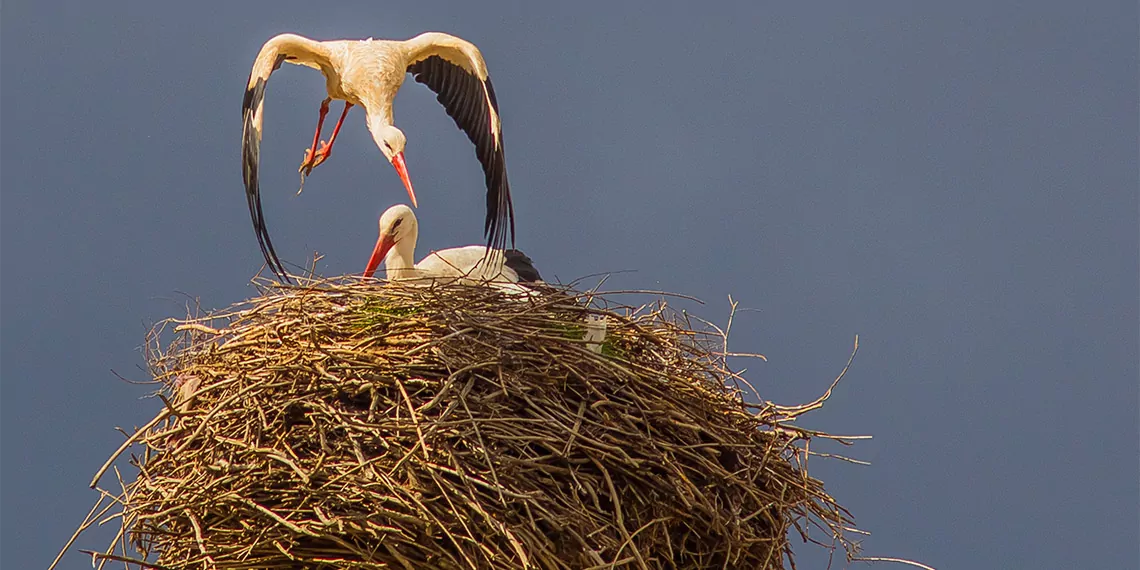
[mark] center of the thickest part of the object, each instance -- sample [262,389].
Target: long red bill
[383,245]
[402,170]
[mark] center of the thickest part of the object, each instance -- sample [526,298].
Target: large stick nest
[350,425]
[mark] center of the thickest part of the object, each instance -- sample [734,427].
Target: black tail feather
[522,266]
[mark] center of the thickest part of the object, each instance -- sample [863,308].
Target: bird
[369,73]
[472,264]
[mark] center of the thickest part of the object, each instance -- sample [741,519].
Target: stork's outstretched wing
[285,47]
[454,70]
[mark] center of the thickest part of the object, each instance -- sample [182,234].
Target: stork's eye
[396,224]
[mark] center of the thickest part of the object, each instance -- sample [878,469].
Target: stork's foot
[314,159]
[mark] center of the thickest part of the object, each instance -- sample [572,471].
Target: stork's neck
[400,261]
[378,94]
[378,114]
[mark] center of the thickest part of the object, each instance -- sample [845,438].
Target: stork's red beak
[402,170]
[383,245]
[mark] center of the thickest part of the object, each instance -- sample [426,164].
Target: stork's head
[397,225]
[392,142]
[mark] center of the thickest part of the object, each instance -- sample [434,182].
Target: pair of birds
[368,73]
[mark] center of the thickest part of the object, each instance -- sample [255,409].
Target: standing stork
[369,73]
[396,246]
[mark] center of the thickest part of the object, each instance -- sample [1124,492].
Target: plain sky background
[956,182]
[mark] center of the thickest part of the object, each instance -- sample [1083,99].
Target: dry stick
[439,485]
[886,559]
[280,520]
[122,531]
[200,328]
[574,430]
[217,408]
[796,411]
[842,458]
[486,450]
[629,540]
[415,418]
[104,557]
[165,413]
[87,522]
[439,340]
[618,515]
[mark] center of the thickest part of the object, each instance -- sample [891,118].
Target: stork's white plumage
[369,73]
[396,247]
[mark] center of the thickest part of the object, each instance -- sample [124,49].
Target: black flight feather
[462,96]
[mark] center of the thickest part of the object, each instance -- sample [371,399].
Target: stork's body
[368,73]
[471,264]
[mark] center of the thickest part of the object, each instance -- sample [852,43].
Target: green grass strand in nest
[346,425]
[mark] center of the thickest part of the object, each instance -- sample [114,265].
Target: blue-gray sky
[956,182]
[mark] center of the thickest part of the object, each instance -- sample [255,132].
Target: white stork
[470,264]
[368,73]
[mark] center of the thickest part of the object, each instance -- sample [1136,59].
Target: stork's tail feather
[522,265]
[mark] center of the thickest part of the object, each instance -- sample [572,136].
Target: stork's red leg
[310,160]
[326,149]
[315,158]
